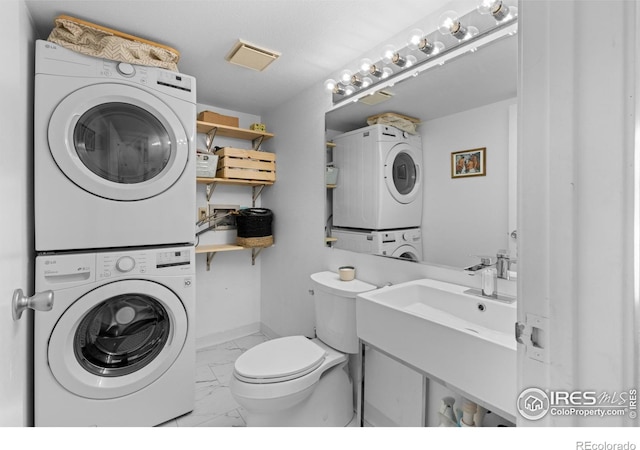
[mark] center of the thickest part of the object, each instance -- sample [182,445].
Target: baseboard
[268,332]
[228,335]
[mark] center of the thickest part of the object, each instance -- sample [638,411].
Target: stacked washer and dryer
[114,200]
[377,205]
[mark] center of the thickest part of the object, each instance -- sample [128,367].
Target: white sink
[464,340]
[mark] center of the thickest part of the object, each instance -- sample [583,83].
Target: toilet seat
[279,360]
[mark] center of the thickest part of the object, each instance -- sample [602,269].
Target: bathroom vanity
[448,334]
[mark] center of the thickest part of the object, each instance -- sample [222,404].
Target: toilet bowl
[318,392]
[296,381]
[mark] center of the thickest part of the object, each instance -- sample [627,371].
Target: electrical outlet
[202,213]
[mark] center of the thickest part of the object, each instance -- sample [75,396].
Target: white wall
[228,295]
[466,216]
[16,219]
[298,201]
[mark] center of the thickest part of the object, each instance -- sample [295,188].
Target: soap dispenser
[490,282]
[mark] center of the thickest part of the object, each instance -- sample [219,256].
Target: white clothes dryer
[118,347]
[402,244]
[381,179]
[114,153]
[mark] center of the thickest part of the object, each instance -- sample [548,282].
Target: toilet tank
[335,307]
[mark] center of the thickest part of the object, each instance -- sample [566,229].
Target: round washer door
[118,142]
[117,339]
[402,173]
[406,252]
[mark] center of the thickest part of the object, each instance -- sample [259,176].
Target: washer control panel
[170,261]
[111,265]
[65,270]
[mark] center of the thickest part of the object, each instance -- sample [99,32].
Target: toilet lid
[278,360]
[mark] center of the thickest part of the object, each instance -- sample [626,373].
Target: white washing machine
[118,347]
[401,244]
[114,153]
[381,179]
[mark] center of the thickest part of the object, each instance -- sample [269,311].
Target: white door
[16,223]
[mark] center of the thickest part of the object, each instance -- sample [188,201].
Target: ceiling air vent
[250,56]
[376,97]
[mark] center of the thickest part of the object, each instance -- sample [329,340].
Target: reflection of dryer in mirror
[114,158]
[118,346]
[380,185]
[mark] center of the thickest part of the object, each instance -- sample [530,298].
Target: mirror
[467,103]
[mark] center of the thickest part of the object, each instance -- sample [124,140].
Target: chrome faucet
[489,277]
[503,264]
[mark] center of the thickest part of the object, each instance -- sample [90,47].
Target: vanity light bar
[421,49]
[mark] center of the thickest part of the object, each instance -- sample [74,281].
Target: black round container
[254,222]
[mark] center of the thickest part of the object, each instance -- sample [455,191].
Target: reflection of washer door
[117,339]
[402,173]
[118,142]
[406,252]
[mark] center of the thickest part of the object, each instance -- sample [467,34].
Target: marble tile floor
[215,407]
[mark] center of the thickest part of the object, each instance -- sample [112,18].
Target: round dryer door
[117,339]
[403,173]
[406,252]
[118,142]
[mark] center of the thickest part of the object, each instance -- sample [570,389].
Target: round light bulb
[448,23]
[386,72]
[348,90]
[365,66]
[330,84]
[411,60]
[415,36]
[387,53]
[499,10]
[345,76]
[366,82]
[486,6]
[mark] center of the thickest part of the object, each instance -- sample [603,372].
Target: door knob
[42,301]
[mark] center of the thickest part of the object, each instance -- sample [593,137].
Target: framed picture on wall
[469,163]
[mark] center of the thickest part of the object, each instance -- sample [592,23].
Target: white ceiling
[317,38]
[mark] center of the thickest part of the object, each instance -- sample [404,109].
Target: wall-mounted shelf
[256,137]
[213,129]
[211,183]
[211,251]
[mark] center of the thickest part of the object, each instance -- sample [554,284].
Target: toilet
[296,381]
